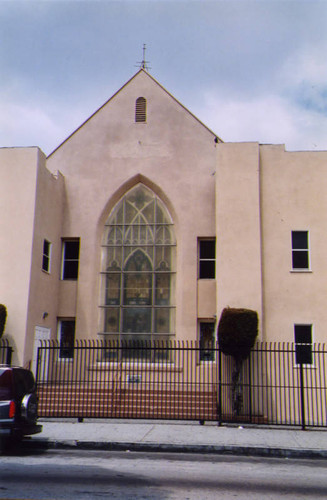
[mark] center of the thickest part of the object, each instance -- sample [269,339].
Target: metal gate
[5,352]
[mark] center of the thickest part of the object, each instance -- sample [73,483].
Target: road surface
[59,475]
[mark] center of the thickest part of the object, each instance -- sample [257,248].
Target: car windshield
[6,389]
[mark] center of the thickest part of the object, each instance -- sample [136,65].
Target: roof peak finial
[143,64]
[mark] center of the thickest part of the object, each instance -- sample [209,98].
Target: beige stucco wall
[173,154]
[44,287]
[263,193]
[293,197]
[249,196]
[238,227]
[30,212]
[18,171]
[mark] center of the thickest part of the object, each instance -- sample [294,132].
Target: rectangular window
[303,344]
[300,250]
[70,259]
[207,258]
[66,336]
[46,256]
[207,340]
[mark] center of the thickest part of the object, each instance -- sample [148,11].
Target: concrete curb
[254,451]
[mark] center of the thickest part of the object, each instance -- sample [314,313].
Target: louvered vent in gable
[140,110]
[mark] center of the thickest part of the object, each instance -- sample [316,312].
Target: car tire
[29,408]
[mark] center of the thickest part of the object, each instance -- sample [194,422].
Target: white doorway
[40,333]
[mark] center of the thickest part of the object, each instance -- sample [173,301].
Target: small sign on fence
[134,379]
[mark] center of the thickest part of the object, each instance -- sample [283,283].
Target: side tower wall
[238,227]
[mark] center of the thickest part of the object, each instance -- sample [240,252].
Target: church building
[143,224]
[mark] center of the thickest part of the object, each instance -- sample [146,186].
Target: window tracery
[138,268]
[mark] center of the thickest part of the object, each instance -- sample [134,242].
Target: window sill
[135,366]
[305,366]
[301,271]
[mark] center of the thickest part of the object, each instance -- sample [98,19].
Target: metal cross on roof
[143,64]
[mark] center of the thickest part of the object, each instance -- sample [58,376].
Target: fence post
[219,387]
[37,366]
[302,397]
[9,355]
[250,389]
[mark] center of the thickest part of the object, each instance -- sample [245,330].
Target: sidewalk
[182,437]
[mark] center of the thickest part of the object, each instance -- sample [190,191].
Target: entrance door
[40,333]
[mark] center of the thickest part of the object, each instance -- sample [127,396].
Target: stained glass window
[138,269]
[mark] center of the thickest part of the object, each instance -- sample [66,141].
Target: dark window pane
[299,239]
[303,344]
[207,269]
[303,334]
[207,341]
[72,250]
[303,354]
[45,263]
[46,247]
[112,289]
[207,249]
[112,320]
[162,320]
[300,260]
[137,289]
[162,288]
[70,270]
[67,339]
[137,320]
[46,256]
[71,259]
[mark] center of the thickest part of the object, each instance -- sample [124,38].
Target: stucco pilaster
[238,250]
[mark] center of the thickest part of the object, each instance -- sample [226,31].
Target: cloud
[250,70]
[22,125]
[30,122]
[288,107]
[267,119]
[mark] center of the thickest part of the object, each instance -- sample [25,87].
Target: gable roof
[218,139]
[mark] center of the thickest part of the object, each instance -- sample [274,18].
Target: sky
[251,70]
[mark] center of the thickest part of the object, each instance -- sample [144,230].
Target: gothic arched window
[138,269]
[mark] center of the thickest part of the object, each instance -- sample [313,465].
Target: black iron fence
[171,380]
[5,352]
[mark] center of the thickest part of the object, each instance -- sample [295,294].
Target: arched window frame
[140,110]
[138,269]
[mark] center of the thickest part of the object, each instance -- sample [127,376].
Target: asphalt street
[72,474]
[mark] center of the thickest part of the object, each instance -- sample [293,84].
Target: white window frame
[305,365]
[200,240]
[64,260]
[301,269]
[46,256]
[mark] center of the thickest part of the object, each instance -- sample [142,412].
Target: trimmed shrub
[237,332]
[3,317]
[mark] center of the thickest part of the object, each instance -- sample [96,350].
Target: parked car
[18,403]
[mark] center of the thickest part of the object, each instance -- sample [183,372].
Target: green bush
[237,332]
[3,317]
